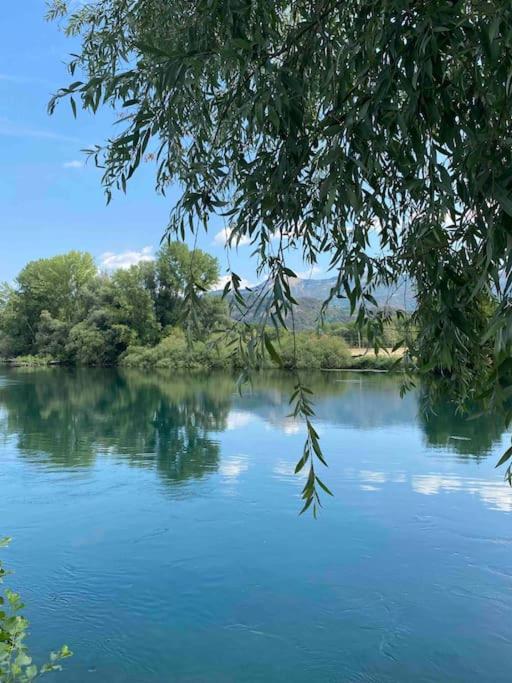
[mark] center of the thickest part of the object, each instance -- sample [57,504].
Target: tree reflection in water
[468,436]
[67,418]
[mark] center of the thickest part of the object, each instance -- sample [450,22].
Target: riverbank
[357,359]
[366,359]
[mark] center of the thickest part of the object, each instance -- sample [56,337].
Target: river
[155,530]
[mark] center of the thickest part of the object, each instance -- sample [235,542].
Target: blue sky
[50,201]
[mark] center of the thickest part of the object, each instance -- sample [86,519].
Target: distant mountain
[400,297]
[311,293]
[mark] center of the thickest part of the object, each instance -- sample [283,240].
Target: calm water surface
[156,531]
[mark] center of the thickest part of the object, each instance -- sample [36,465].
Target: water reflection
[413,548]
[341,399]
[495,495]
[444,427]
[66,418]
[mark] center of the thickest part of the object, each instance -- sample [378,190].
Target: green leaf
[506,456]
[31,672]
[23,659]
[271,350]
[323,486]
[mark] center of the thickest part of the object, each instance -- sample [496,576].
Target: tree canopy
[377,132]
[64,308]
[54,285]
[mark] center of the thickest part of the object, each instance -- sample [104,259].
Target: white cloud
[291,426]
[73,164]
[233,467]
[222,237]
[111,261]
[221,283]
[370,476]
[237,419]
[310,272]
[8,77]
[432,484]
[287,469]
[495,495]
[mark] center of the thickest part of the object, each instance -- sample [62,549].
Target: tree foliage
[54,285]
[324,127]
[63,308]
[176,266]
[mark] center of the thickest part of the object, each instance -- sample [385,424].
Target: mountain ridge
[311,293]
[399,297]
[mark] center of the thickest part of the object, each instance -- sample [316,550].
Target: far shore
[361,360]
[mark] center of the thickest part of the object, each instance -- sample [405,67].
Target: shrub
[31,361]
[372,362]
[313,351]
[173,352]
[87,345]
[51,337]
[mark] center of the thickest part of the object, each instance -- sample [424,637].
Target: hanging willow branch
[372,132]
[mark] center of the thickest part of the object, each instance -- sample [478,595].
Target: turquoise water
[156,531]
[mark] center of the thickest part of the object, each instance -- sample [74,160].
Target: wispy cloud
[112,261]
[495,495]
[24,80]
[75,163]
[222,237]
[14,130]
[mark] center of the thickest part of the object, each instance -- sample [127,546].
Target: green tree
[309,350]
[323,127]
[13,331]
[120,312]
[132,303]
[62,308]
[54,285]
[52,336]
[213,315]
[88,344]
[181,271]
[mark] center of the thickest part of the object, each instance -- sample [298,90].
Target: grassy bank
[366,359]
[309,351]
[29,361]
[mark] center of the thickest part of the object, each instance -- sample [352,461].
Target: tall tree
[179,271]
[133,304]
[54,285]
[320,126]
[121,311]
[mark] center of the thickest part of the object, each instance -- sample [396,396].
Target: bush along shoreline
[64,311]
[309,351]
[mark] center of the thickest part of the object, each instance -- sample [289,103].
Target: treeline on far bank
[63,310]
